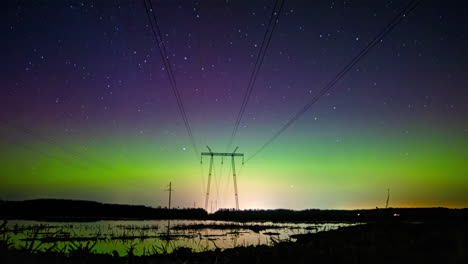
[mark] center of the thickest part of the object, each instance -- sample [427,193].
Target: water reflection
[155,236]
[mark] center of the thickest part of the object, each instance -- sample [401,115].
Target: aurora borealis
[87,111]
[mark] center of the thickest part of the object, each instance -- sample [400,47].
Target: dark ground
[76,210]
[378,242]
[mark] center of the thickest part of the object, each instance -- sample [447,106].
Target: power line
[162,49]
[393,23]
[274,17]
[170,74]
[259,60]
[158,36]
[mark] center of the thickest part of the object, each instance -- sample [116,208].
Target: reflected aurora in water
[156,236]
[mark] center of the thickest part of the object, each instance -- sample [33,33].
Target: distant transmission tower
[170,193]
[388,198]
[233,164]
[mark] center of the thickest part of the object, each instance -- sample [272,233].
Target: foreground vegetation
[378,242]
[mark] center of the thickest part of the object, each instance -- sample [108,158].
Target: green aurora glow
[426,168]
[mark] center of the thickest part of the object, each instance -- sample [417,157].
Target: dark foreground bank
[380,242]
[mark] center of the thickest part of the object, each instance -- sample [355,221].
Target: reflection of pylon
[232,155]
[170,192]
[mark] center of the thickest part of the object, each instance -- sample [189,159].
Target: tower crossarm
[222,154]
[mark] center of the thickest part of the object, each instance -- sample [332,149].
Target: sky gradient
[87,111]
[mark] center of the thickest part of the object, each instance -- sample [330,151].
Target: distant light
[396,214]
[184,149]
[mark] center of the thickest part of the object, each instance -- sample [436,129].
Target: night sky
[87,111]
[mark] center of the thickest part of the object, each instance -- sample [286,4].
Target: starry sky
[87,111]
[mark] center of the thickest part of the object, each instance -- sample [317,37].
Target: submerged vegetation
[145,236]
[248,226]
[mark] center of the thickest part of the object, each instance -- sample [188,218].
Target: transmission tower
[233,164]
[170,193]
[388,198]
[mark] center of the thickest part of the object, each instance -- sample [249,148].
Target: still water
[153,236]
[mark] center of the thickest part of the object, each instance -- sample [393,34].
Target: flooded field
[151,236]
